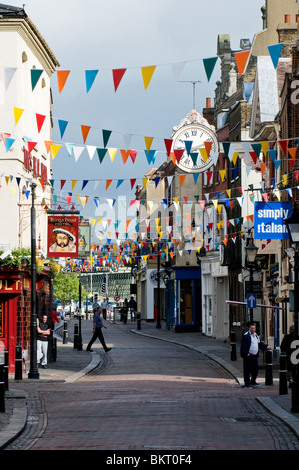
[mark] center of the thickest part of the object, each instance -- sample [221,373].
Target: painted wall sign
[269,220]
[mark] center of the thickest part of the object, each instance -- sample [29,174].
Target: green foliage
[15,259]
[66,287]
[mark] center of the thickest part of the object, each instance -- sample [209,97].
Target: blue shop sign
[269,220]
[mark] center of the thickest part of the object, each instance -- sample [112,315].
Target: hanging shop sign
[269,220]
[63,236]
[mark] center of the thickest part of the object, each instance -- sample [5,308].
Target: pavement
[71,365]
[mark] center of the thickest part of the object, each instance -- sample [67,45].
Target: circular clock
[191,138]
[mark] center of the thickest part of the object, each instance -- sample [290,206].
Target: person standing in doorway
[43,335]
[250,346]
[97,331]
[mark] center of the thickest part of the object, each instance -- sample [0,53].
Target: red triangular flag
[133,154]
[283,144]
[253,156]
[117,76]
[31,146]
[168,144]
[178,154]
[133,181]
[40,120]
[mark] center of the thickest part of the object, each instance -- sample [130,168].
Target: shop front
[183,300]
[15,311]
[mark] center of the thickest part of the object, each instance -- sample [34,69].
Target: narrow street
[149,395]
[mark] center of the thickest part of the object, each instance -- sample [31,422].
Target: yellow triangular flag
[215,203]
[112,153]
[148,142]
[99,222]
[147,73]
[219,208]
[13,190]
[235,157]
[144,181]
[17,113]
[83,200]
[265,146]
[74,182]
[222,174]
[284,179]
[55,149]
[229,191]
[93,221]
[204,154]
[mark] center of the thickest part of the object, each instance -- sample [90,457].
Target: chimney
[208,102]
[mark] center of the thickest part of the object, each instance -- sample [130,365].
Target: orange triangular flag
[108,182]
[85,131]
[62,76]
[48,144]
[241,60]
[125,155]
[208,146]
[182,178]
[292,152]
[263,167]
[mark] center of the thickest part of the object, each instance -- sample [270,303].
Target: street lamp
[33,372]
[251,252]
[292,224]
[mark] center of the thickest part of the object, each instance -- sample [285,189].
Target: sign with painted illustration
[63,236]
[84,240]
[269,220]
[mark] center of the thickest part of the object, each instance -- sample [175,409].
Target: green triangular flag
[35,75]
[194,156]
[209,65]
[101,154]
[106,136]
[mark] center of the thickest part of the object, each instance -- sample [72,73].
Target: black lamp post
[292,224]
[251,252]
[33,372]
[159,289]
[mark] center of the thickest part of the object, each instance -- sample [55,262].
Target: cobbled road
[149,395]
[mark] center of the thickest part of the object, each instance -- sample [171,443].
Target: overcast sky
[111,34]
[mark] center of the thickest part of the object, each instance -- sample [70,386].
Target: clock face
[191,138]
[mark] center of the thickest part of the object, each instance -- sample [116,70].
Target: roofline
[29,32]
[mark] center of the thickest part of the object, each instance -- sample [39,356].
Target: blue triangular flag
[119,182]
[8,143]
[277,164]
[188,145]
[275,52]
[272,155]
[195,176]
[90,76]
[62,126]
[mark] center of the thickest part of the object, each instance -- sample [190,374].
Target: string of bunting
[147,72]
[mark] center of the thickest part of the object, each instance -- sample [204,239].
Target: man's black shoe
[108,349]
[90,350]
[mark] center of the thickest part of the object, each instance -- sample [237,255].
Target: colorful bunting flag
[241,60]
[147,73]
[35,76]
[90,76]
[275,51]
[117,77]
[209,65]
[62,76]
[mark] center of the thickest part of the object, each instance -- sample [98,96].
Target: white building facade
[27,64]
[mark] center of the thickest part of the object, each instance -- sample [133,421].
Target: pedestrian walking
[43,335]
[133,308]
[250,346]
[97,331]
[104,306]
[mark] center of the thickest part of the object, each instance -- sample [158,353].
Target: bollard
[138,321]
[233,351]
[76,335]
[65,333]
[6,369]
[283,375]
[54,349]
[269,368]
[18,363]
[2,388]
